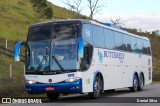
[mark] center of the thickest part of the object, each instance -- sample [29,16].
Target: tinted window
[87,58]
[64,31]
[109,39]
[144,46]
[87,33]
[126,43]
[133,44]
[148,48]
[98,37]
[39,33]
[118,41]
[140,45]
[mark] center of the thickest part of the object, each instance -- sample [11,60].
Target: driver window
[87,57]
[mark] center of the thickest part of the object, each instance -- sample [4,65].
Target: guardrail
[10,53]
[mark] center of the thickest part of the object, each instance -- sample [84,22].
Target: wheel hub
[97,87]
[135,83]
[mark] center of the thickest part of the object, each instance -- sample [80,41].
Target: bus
[83,56]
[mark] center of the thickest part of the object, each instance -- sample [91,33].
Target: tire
[97,89]
[53,96]
[135,84]
[141,83]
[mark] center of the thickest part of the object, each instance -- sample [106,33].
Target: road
[119,96]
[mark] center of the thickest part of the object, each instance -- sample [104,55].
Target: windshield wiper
[59,65]
[40,64]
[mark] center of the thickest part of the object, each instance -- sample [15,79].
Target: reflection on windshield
[39,33]
[65,51]
[58,50]
[38,55]
[64,46]
[63,31]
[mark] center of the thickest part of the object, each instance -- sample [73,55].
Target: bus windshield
[58,50]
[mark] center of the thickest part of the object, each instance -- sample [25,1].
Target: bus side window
[148,48]
[133,44]
[140,45]
[118,40]
[98,36]
[109,39]
[126,43]
[144,47]
[87,33]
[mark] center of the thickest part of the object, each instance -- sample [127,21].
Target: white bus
[83,56]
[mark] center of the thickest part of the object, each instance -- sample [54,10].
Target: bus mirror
[17,50]
[80,48]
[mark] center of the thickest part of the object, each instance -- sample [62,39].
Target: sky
[139,14]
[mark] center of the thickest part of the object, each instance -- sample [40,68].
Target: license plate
[49,88]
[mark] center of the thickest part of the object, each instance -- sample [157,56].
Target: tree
[42,9]
[117,21]
[74,5]
[94,7]
[48,13]
[39,7]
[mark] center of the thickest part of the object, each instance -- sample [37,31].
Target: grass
[156,74]
[16,18]
[14,86]
[17,15]
[7,84]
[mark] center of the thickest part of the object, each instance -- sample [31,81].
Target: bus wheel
[135,84]
[53,96]
[141,83]
[97,89]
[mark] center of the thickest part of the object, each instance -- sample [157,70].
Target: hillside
[17,15]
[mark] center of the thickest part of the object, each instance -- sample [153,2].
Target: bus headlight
[72,79]
[30,82]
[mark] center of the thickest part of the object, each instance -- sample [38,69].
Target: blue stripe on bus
[70,87]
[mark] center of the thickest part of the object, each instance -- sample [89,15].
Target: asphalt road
[108,98]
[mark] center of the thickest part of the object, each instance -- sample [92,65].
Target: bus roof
[89,22]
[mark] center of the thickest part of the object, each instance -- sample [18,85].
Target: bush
[156,74]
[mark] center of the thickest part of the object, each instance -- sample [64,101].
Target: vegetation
[17,15]
[94,6]
[42,9]
[8,84]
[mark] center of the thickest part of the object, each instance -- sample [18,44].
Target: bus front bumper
[69,87]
